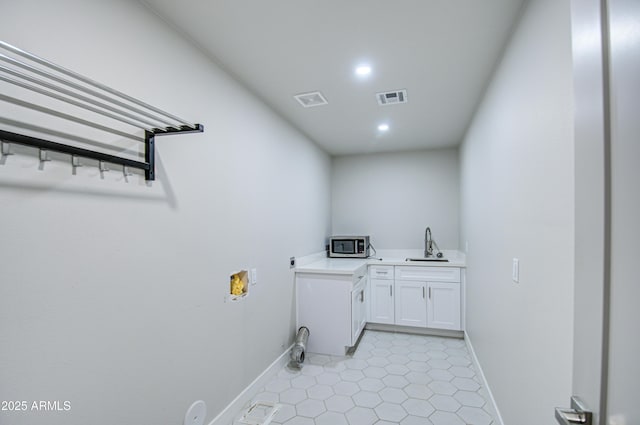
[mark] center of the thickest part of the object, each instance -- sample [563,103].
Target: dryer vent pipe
[299,346]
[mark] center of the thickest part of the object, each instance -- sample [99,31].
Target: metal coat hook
[102,166]
[126,172]
[44,157]
[75,163]
[6,151]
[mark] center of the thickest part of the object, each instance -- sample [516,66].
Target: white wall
[394,196]
[112,293]
[517,201]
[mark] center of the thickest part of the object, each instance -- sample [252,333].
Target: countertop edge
[327,265]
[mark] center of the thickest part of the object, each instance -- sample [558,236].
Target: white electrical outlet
[515,270]
[254,276]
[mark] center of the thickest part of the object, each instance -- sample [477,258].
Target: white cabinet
[333,307]
[381,305]
[410,303]
[336,306]
[418,296]
[443,305]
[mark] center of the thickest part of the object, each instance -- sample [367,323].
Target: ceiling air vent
[391,97]
[311,99]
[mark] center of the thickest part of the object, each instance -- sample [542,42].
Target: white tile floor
[392,378]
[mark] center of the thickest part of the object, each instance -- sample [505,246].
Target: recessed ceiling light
[383,127]
[363,70]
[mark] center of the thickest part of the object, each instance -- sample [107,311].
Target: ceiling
[441,51]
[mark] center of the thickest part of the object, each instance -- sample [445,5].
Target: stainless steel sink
[435,259]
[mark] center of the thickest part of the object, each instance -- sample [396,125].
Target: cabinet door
[358,313]
[381,302]
[411,303]
[362,313]
[443,305]
[355,313]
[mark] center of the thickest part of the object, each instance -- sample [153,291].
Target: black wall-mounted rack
[37,75]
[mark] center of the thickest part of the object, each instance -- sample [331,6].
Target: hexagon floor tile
[392,378]
[339,403]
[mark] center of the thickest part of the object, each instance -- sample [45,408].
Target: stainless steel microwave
[349,246]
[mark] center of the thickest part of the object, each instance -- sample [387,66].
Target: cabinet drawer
[381,272]
[431,274]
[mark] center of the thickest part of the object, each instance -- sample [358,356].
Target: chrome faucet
[428,243]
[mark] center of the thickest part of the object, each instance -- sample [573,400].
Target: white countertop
[351,266]
[334,266]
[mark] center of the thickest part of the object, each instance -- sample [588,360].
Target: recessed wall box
[238,285]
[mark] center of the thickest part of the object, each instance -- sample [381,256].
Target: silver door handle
[423,292]
[578,414]
[390,290]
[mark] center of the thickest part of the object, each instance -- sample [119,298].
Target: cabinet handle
[429,292]
[361,296]
[423,292]
[390,291]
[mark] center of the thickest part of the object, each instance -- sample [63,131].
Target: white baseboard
[229,413]
[485,384]
[415,330]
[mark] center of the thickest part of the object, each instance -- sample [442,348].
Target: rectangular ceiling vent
[309,100]
[391,97]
